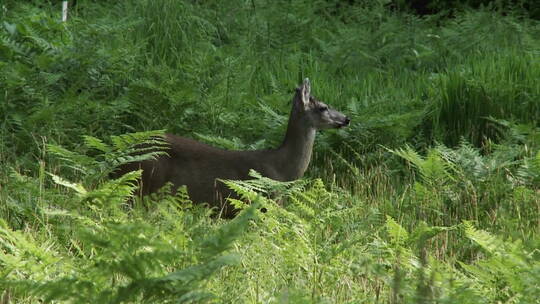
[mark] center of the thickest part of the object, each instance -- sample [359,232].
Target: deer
[200,167]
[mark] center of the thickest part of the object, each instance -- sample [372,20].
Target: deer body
[199,166]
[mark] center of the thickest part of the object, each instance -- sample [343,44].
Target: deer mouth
[344,123]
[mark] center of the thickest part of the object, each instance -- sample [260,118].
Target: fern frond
[397,233]
[492,244]
[433,169]
[76,161]
[424,232]
[529,171]
[14,46]
[305,210]
[96,143]
[248,189]
[244,189]
[116,191]
[19,250]
[79,189]
[125,141]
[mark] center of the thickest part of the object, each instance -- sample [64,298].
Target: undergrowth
[430,196]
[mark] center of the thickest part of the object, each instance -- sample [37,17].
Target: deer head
[315,113]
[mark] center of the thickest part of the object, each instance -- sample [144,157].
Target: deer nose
[347,121]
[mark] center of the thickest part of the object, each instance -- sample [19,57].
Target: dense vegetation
[432,195]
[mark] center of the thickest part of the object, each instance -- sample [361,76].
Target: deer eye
[323,109]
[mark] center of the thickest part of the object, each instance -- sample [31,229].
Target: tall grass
[500,86]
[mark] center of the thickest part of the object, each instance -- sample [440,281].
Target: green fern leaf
[79,189]
[96,143]
[397,233]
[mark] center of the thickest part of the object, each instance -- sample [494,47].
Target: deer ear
[305,92]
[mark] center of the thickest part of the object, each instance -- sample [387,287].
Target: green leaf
[397,233]
[74,186]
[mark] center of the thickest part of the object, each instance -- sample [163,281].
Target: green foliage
[444,134]
[309,238]
[124,149]
[462,183]
[527,7]
[117,262]
[498,87]
[110,255]
[58,75]
[509,273]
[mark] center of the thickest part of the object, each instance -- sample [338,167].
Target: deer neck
[295,151]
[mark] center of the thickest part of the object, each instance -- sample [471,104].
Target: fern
[124,261]
[433,169]
[204,66]
[398,234]
[259,184]
[417,238]
[126,148]
[509,271]
[14,47]
[529,171]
